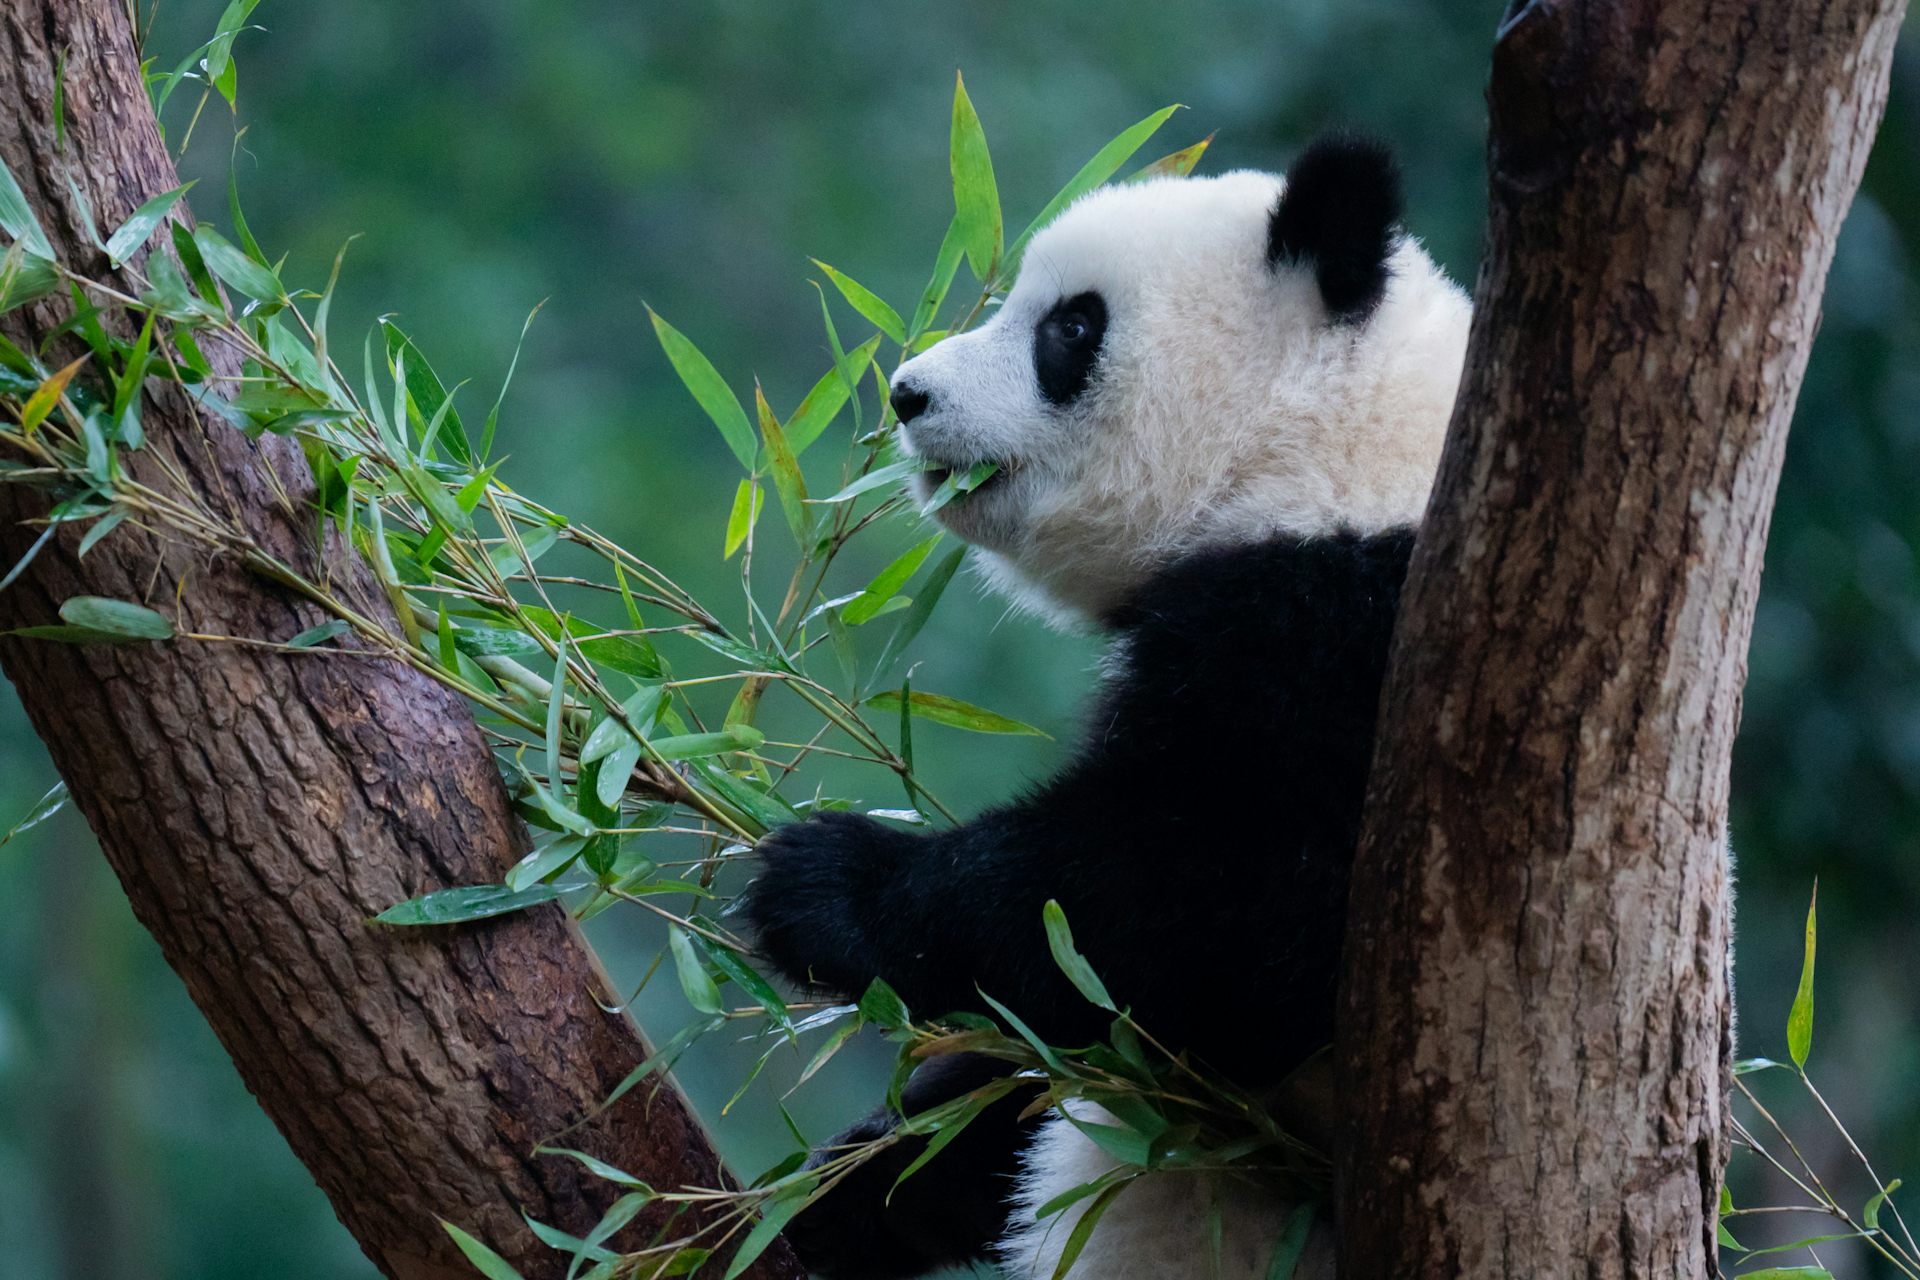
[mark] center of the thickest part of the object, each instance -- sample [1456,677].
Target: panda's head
[1190,362]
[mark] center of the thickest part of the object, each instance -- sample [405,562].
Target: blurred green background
[692,156]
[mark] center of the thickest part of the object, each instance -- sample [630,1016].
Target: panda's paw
[814,907]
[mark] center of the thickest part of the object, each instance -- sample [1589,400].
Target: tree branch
[258,807]
[1535,1019]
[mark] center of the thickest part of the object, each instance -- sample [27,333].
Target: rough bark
[259,807]
[1535,1022]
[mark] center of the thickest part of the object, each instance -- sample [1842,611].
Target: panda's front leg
[841,899]
[816,907]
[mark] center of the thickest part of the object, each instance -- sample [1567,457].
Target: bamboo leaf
[1800,1017]
[56,799]
[41,402]
[708,388]
[1071,962]
[1083,1229]
[132,234]
[976,199]
[1105,163]
[747,502]
[702,992]
[1293,1241]
[887,583]
[17,220]
[788,483]
[1870,1215]
[828,397]
[116,619]
[236,268]
[951,711]
[469,902]
[867,303]
[491,1264]
[786,1202]
[1177,165]
[928,595]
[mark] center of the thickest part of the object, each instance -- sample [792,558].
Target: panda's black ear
[1337,215]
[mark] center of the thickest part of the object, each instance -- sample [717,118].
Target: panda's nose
[908,401]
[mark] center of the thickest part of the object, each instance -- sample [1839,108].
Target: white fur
[1223,407]
[1157,1229]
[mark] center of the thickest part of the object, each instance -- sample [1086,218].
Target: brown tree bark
[258,807]
[1535,1021]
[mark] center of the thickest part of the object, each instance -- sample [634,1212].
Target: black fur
[948,1212]
[1338,214]
[1066,342]
[1200,843]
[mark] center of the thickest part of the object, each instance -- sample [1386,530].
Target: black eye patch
[1065,344]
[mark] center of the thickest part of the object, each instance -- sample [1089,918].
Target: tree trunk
[259,807]
[1535,1021]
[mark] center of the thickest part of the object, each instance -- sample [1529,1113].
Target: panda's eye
[1066,343]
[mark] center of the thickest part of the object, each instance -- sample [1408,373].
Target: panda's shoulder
[1252,593]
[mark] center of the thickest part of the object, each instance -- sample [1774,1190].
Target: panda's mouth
[958,484]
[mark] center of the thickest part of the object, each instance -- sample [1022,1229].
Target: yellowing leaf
[952,711]
[41,402]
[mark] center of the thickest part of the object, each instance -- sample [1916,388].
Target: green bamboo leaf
[430,402]
[491,1264]
[1071,962]
[618,1215]
[691,746]
[56,799]
[639,711]
[952,712]
[867,303]
[887,583]
[1177,165]
[25,277]
[747,502]
[828,397]
[946,264]
[469,902]
[597,1167]
[881,1004]
[132,234]
[1787,1273]
[1293,1241]
[235,268]
[788,483]
[931,589]
[774,1217]
[116,619]
[697,984]
[17,220]
[1105,163]
[329,630]
[1083,1229]
[1800,1018]
[976,199]
[1870,1215]
[708,388]
[879,478]
[552,854]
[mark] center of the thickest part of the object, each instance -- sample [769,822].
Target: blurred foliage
[692,157]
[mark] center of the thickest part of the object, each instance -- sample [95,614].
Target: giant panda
[1216,406]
